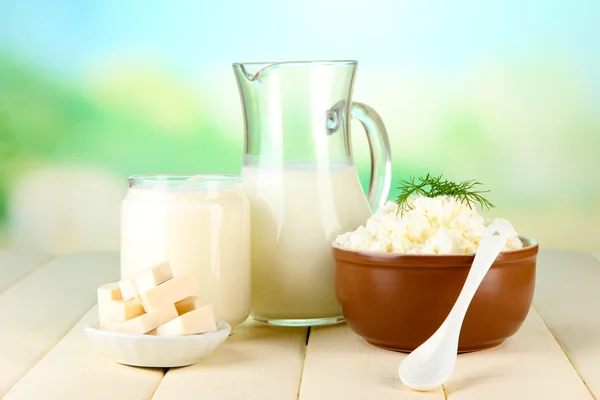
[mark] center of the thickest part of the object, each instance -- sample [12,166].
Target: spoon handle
[491,244]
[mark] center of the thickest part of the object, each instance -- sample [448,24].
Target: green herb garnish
[433,186]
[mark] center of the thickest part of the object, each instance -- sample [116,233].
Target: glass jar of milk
[201,225]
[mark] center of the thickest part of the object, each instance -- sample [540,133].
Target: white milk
[205,232]
[296,214]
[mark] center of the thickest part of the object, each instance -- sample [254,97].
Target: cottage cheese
[440,225]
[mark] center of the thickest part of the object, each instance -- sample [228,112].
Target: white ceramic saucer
[157,351]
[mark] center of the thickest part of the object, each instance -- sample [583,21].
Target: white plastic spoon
[432,363]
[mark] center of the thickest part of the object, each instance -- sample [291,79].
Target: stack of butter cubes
[156,303]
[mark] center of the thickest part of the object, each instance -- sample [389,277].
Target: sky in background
[441,37]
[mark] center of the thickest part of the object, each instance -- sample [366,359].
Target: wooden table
[44,355]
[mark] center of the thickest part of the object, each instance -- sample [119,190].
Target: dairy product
[112,309]
[168,293]
[171,307]
[202,227]
[109,292]
[186,305]
[200,320]
[297,211]
[146,279]
[439,225]
[147,322]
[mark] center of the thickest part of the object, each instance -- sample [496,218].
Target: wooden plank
[568,299]
[530,365]
[341,365]
[17,263]
[40,309]
[256,362]
[74,369]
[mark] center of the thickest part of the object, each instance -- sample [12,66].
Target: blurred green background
[91,92]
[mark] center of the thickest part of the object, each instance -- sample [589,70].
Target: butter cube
[200,320]
[112,309]
[119,311]
[110,291]
[147,322]
[168,293]
[188,304]
[145,280]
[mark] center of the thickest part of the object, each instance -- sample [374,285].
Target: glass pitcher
[299,176]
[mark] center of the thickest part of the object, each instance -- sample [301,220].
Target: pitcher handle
[381,154]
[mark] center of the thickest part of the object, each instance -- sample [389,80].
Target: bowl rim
[93,327]
[431,260]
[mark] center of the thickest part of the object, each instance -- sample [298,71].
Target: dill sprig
[432,186]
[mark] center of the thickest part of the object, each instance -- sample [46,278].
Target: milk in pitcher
[297,211]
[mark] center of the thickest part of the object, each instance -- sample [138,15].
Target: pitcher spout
[241,69]
[252,71]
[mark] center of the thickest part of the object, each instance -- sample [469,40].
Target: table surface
[44,354]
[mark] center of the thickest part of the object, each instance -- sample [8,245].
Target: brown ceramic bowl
[397,301]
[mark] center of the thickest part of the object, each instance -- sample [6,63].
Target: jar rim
[183,179]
